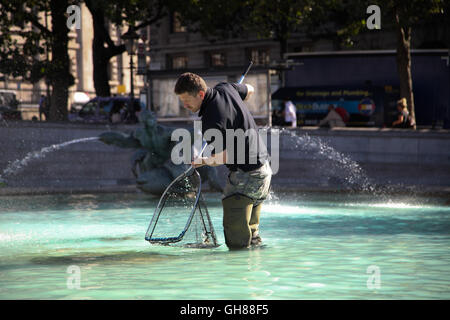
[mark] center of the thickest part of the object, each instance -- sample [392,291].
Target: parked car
[108,109]
[9,106]
[79,99]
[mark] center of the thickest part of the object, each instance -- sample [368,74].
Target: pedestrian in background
[290,114]
[403,116]
[333,119]
[43,107]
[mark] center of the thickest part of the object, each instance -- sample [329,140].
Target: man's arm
[245,90]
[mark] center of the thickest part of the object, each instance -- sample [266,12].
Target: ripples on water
[318,246]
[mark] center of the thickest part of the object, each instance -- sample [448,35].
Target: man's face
[190,102]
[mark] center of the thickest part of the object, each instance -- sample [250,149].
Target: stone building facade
[81,66]
[171,50]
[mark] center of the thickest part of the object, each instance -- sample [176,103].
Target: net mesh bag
[181,217]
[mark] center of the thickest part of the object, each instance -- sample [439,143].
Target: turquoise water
[316,247]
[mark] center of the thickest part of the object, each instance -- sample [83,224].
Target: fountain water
[328,162]
[331,162]
[339,165]
[15,166]
[339,169]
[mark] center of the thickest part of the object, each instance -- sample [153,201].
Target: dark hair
[190,83]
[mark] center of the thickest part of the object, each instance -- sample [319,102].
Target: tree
[340,21]
[400,16]
[135,14]
[278,19]
[214,18]
[59,74]
[270,19]
[406,15]
[25,57]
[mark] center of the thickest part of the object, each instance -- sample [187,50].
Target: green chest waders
[237,213]
[254,224]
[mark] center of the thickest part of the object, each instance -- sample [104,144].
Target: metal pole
[131,102]
[47,101]
[269,100]
[149,92]
[131,77]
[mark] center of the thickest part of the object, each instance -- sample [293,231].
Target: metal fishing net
[181,217]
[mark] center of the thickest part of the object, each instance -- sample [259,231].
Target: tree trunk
[283,47]
[100,62]
[104,48]
[282,35]
[102,54]
[60,78]
[404,64]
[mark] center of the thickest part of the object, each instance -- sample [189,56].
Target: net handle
[239,82]
[162,199]
[199,155]
[245,72]
[205,144]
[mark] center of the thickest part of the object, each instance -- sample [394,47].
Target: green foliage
[213,18]
[278,19]
[346,20]
[340,20]
[24,39]
[20,45]
[273,19]
[130,12]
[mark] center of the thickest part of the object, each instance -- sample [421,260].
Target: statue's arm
[120,139]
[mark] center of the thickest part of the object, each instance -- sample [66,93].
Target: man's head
[191,89]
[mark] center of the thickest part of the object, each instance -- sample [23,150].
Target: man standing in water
[222,108]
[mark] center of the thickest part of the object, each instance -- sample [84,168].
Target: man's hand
[250,91]
[213,161]
[199,162]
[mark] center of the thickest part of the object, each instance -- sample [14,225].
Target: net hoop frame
[159,207]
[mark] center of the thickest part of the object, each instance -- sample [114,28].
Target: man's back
[223,108]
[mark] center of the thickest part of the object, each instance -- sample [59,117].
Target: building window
[178,62]
[177,26]
[217,59]
[260,57]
